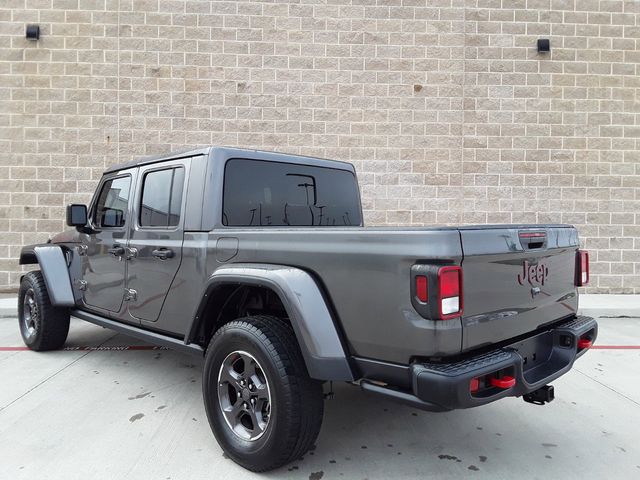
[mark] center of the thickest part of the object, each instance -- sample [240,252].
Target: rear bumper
[532,363]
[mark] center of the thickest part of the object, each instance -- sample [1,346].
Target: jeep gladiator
[259,261]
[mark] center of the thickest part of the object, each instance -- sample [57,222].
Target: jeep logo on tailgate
[537,273]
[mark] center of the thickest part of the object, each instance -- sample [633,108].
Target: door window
[111,208]
[162,198]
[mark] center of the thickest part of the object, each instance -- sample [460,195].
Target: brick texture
[445,106]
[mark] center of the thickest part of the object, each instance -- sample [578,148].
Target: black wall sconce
[33,32]
[544,45]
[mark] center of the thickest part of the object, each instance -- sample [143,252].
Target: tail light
[450,292]
[421,288]
[582,268]
[436,291]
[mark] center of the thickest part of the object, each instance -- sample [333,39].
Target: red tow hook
[504,382]
[584,343]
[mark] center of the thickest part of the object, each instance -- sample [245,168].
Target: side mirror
[112,217]
[76,215]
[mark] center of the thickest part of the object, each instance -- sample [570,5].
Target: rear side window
[112,204]
[260,193]
[161,198]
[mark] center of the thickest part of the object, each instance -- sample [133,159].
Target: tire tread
[54,321]
[304,401]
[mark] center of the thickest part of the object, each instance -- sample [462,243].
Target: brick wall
[445,107]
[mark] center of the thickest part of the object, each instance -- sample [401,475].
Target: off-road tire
[42,326]
[296,400]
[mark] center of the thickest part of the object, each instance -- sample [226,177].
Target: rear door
[516,279]
[155,241]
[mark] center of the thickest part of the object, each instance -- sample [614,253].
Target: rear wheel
[42,326]
[263,408]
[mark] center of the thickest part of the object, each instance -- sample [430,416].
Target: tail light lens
[421,288]
[582,268]
[450,292]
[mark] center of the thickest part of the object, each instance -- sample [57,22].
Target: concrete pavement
[108,413]
[603,305]
[8,305]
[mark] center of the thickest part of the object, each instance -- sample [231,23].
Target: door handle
[116,251]
[163,253]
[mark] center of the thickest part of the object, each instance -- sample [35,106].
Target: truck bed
[365,273]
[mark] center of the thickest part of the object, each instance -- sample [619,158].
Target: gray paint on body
[347,290]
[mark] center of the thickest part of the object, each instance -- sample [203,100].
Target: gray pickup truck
[259,262]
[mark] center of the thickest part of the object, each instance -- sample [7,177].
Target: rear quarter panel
[365,273]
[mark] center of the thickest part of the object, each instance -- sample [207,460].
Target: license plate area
[535,351]
[538,358]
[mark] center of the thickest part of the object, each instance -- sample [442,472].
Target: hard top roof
[232,152]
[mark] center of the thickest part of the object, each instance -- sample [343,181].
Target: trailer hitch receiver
[541,396]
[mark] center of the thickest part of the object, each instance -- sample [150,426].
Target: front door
[156,234]
[104,265]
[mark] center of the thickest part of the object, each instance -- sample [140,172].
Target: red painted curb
[87,348]
[615,347]
[153,347]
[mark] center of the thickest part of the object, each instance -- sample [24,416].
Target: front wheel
[42,326]
[262,406]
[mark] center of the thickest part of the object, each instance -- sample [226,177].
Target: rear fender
[53,265]
[313,325]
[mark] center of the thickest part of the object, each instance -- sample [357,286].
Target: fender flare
[53,265]
[312,322]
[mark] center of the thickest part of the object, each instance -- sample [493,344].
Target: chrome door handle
[116,251]
[163,253]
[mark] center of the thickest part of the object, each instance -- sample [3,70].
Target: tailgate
[516,279]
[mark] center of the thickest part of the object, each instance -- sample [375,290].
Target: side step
[137,332]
